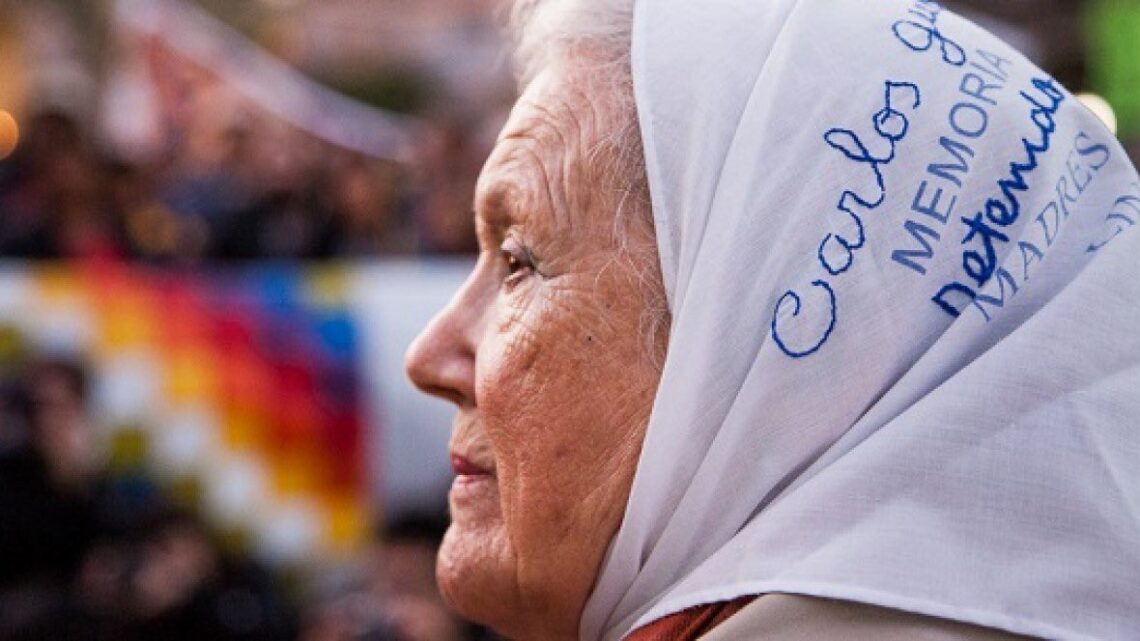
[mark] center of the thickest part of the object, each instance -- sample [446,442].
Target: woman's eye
[517,259]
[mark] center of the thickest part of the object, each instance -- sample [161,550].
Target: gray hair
[546,32]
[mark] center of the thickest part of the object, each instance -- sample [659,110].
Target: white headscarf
[904,366]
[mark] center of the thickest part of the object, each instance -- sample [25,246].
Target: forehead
[541,159]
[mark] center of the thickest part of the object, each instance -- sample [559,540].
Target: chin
[475,574]
[478,574]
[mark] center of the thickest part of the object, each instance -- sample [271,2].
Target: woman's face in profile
[545,352]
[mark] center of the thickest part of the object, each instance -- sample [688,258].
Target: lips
[474,494]
[462,466]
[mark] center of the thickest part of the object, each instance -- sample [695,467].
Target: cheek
[529,384]
[554,380]
[518,338]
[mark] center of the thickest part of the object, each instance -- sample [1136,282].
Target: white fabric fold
[904,366]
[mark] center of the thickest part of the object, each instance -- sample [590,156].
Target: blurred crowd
[231,191]
[94,544]
[99,551]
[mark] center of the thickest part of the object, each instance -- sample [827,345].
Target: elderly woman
[794,319]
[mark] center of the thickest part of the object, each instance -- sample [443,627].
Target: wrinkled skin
[544,352]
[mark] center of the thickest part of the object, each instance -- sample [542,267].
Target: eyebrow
[495,207]
[518,188]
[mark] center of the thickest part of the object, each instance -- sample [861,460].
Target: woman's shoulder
[801,618]
[691,624]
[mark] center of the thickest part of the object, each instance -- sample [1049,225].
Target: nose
[441,360]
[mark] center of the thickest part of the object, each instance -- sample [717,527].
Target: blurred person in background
[155,233]
[86,554]
[283,215]
[452,159]
[46,507]
[393,596]
[365,210]
[49,504]
[165,577]
[52,202]
[208,181]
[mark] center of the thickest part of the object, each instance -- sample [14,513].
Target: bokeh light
[9,134]
[1101,108]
